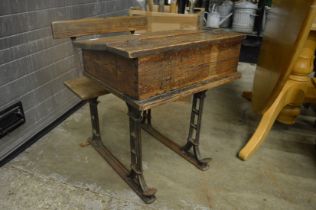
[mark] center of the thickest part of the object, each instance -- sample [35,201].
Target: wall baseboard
[40,134]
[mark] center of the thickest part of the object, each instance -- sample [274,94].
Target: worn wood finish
[172,95]
[284,36]
[167,20]
[116,71]
[85,88]
[132,46]
[153,69]
[173,70]
[149,65]
[105,43]
[92,26]
[149,5]
[167,12]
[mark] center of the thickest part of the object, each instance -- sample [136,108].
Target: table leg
[264,126]
[193,142]
[96,137]
[134,177]
[136,174]
[286,107]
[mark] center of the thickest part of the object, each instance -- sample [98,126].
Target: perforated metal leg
[135,119]
[193,138]
[93,104]
[134,177]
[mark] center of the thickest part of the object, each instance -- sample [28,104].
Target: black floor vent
[11,118]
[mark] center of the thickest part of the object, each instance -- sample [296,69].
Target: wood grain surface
[170,70]
[314,25]
[167,20]
[132,46]
[85,88]
[148,65]
[116,71]
[92,26]
[172,95]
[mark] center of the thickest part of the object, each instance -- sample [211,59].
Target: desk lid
[137,45]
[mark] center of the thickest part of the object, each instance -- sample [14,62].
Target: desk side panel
[177,69]
[113,71]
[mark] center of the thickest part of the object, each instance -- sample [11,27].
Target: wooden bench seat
[85,88]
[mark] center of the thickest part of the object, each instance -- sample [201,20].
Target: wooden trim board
[173,95]
[93,26]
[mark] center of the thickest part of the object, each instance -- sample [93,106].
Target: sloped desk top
[159,67]
[137,45]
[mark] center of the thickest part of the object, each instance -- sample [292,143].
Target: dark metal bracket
[193,137]
[142,119]
[134,177]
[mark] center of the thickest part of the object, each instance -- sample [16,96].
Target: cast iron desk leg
[193,140]
[136,174]
[134,177]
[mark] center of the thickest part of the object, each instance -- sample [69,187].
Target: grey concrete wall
[33,66]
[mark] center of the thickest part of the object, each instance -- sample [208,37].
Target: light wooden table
[282,83]
[314,26]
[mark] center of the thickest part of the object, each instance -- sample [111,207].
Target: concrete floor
[56,173]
